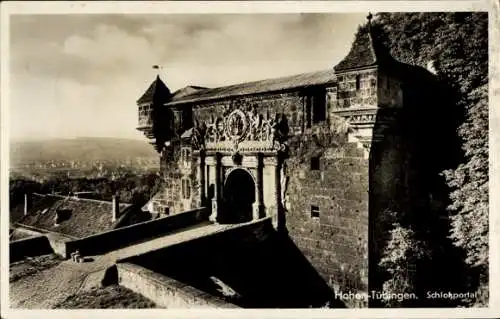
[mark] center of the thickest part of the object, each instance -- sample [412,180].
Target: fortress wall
[124,236]
[164,291]
[56,240]
[29,247]
[335,242]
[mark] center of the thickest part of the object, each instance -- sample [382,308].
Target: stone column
[201,178]
[258,207]
[218,185]
[277,195]
[275,189]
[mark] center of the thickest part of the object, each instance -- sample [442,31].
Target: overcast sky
[80,75]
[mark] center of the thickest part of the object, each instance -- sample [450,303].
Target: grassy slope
[32,265]
[107,297]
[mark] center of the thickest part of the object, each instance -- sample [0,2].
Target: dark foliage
[454,46]
[131,189]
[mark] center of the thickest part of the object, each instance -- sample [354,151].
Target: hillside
[82,149]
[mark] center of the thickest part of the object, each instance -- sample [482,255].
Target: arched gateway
[238,197]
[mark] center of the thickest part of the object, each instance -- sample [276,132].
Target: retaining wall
[164,291]
[125,236]
[57,240]
[29,247]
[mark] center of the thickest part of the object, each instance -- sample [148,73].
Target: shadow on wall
[405,179]
[252,267]
[29,247]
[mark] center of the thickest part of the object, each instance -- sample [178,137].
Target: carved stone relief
[242,127]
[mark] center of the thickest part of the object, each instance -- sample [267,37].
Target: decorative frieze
[242,130]
[367,124]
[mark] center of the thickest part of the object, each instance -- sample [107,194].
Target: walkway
[48,287]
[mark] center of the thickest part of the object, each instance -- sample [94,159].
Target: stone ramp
[43,290]
[180,236]
[46,288]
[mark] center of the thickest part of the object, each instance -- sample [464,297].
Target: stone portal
[238,197]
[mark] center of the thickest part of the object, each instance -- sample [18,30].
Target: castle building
[322,154]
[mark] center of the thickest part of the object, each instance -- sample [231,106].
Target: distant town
[41,171]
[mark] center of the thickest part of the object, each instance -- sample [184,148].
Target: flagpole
[158,69]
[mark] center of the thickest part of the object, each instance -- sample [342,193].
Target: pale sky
[80,75]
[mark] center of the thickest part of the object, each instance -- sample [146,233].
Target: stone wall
[169,200]
[164,291]
[327,211]
[356,89]
[251,265]
[29,247]
[124,236]
[390,93]
[56,240]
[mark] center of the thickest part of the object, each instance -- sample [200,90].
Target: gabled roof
[366,51]
[84,217]
[157,92]
[255,87]
[186,91]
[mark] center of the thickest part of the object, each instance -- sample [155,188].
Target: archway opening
[239,195]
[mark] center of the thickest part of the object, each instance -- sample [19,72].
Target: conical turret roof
[366,51]
[157,92]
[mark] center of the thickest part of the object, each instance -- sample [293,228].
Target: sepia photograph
[267,160]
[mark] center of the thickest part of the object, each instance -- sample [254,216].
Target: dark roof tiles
[157,92]
[255,87]
[366,51]
[83,217]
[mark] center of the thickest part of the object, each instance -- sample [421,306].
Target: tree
[470,183]
[456,45]
[400,257]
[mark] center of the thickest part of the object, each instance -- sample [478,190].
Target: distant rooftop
[84,217]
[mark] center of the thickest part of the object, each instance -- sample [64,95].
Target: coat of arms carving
[236,125]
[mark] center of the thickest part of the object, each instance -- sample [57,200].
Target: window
[319,106]
[186,188]
[314,211]
[308,111]
[315,107]
[145,115]
[315,163]
[358,82]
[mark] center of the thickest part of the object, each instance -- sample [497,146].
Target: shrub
[399,258]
